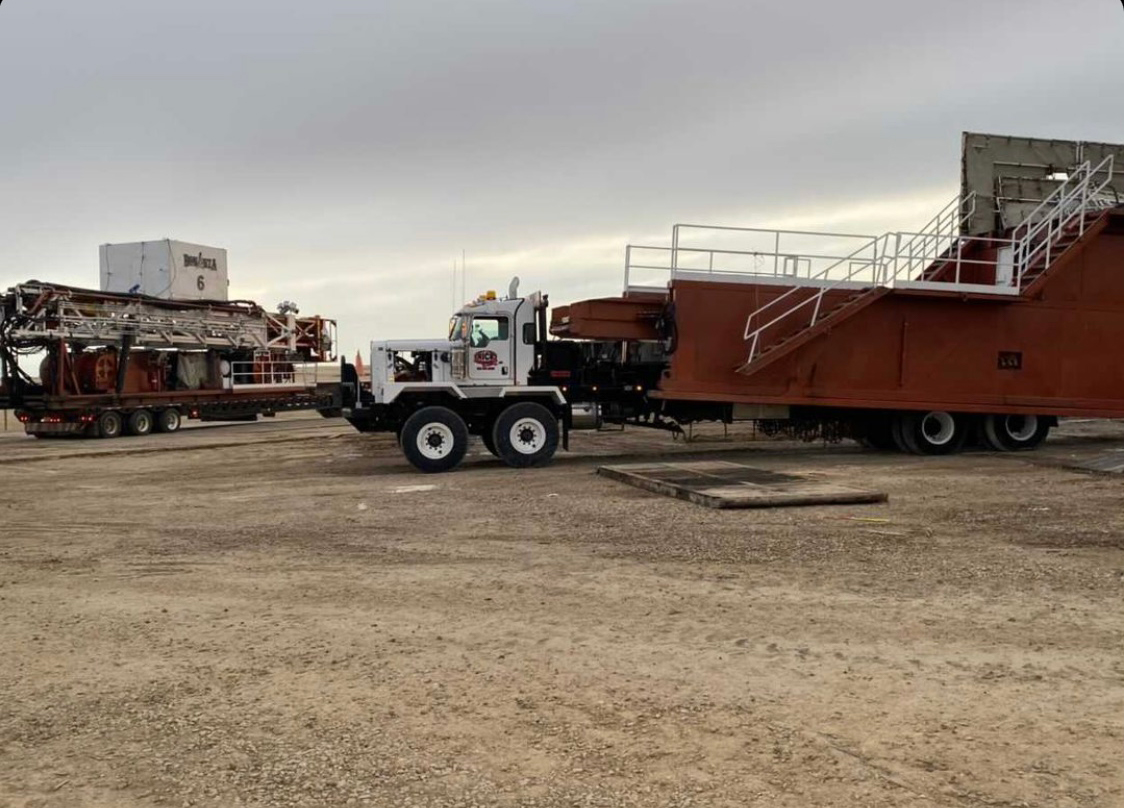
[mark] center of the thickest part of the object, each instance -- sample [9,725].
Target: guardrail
[1066,206]
[280,373]
[892,257]
[781,254]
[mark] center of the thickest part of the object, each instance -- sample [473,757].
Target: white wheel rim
[1020,427]
[144,423]
[435,441]
[527,436]
[172,421]
[938,428]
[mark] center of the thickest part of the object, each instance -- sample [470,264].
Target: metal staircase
[937,258]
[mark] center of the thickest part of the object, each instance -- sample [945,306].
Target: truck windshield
[456,328]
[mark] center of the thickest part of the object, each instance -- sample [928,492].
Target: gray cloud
[346,151]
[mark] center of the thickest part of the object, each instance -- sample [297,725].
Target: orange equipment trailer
[1005,312]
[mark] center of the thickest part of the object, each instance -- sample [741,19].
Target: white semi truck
[497,376]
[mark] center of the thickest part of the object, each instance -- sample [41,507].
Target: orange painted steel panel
[609,318]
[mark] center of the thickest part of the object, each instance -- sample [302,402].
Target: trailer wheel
[932,433]
[139,423]
[434,439]
[108,425]
[167,420]
[1014,433]
[526,434]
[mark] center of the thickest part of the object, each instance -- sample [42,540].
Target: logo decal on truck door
[485,360]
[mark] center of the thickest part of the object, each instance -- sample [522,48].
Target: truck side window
[528,333]
[488,329]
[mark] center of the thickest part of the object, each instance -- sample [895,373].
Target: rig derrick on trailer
[118,363]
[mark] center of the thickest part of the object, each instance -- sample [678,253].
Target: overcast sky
[345,152]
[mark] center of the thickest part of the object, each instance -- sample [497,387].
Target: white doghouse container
[169,269]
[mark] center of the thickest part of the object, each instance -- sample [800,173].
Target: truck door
[489,349]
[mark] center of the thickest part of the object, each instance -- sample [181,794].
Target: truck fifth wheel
[1001,314]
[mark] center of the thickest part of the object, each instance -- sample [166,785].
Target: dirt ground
[286,614]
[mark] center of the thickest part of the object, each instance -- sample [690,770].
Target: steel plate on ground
[722,484]
[1107,464]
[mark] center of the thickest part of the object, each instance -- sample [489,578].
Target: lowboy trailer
[1003,313]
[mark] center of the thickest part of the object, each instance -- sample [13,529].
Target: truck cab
[477,381]
[494,340]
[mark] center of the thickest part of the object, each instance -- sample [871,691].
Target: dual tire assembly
[524,434]
[113,424]
[939,433]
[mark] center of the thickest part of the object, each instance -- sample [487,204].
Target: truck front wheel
[434,439]
[525,434]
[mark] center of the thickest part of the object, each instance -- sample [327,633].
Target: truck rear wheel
[434,439]
[167,420]
[139,423]
[108,425]
[489,442]
[1014,433]
[525,434]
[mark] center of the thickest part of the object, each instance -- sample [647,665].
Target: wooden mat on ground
[723,484]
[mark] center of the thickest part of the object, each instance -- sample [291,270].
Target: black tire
[897,433]
[933,433]
[489,442]
[108,425]
[1014,433]
[168,420]
[434,439]
[525,434]
[139,422]
[876,432]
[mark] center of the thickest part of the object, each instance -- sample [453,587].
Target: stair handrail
[947,224]
[1071,199]
[885,262]
[854,260]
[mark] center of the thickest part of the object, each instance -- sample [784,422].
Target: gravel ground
[285,614]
